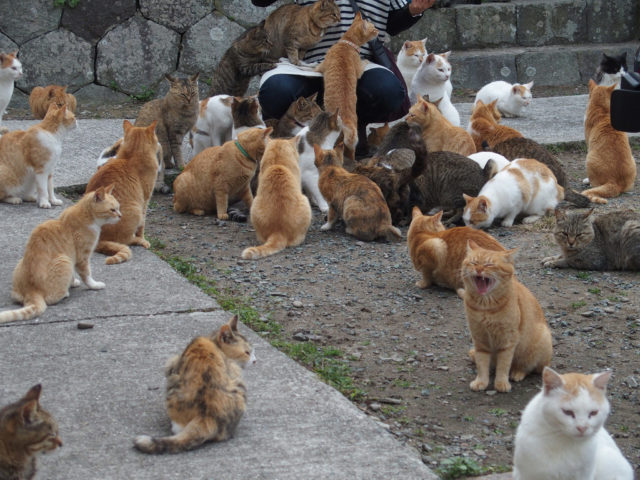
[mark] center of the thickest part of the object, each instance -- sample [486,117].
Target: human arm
[407,16]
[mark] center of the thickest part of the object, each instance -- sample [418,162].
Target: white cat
[431,79]
[524,186]
[512,99]
[481,158]
[562,436]
[410,57]
[323,131]
[10,71]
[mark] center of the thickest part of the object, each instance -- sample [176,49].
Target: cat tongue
[483,284]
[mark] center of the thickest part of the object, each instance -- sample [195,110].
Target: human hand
[416,7]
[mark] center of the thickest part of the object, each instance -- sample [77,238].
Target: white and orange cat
[56,251]
[562,436]
[432,79]
[525,186]
[611,168]
[411,55]
[28,157]
[507,324]
[512,99]
[10,71]
[341,69]
[280,212]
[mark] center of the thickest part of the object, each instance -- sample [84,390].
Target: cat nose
[57,441]
[581,429]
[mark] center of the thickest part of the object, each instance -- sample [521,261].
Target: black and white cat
[610,70]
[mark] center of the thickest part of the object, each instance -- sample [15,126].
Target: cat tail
[109,152]
[490,169]
[601,193]
[392,234]
[274,244]
[576,198]
[33,307]
[194,434]
[118,252]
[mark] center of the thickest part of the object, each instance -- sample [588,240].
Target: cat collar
[243,151]
[351,44]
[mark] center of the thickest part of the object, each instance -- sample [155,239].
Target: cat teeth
[483,284]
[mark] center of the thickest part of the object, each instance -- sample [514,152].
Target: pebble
[375,406]
[85,325]
[297,304]
[587,314]
[491,392]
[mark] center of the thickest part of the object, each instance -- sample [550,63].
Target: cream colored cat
[42,97]
[58,248]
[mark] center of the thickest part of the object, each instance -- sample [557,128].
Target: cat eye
[569,413]
[593,413]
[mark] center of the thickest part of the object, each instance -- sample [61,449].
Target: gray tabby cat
[608,242]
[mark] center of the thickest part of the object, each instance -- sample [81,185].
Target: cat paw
[144,243]
[56,201]
[502,386]
[223,216]
[478,385]
[143,443]
[518,376]
[44,204]
[585,181]
[13,200]
[422,283]
[550,261]
[162,188]
[531,219]
[93,285]
[507,222]
[197,212]
[76,283]
[472,354]
[326,226]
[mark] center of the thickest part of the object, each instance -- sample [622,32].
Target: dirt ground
[405,349]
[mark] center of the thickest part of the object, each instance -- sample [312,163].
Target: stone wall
[112,50]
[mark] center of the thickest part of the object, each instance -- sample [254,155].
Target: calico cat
[323,131]
[525,186]
[511,99]
[219,175]
[431,80]
[341,69]
[610,69]
[26,429]
[561,434]
[484,125]
[293,29]
[222,117]
[58,248]
[206,395]
[298,115]
[28,157]
[507,324]
[481,158]
[410,56]
[354,198]
[10,71]
[611,168]
[280,213]
[520,147]
[41,97]
[609,242]
[438,133]
[437,254]
[245,58]
[133,173]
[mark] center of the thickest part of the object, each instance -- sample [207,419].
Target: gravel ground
[406,348]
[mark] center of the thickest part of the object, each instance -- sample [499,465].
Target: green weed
[145,95]
[576,305]
[457,467]
[498,412]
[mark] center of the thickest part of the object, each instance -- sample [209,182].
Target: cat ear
[406,44]
[225,335]
[446,54]
[551,380]
[529,85]
[588,214]
[33,393]
[99,195]
[471,245]
[171,78]
[194,78]
[416,212]
[515,89]
[28,410]
[467,198]
[600,380]
[64,89]
[108,189]
[438,216]
[126,126]
[592,85]
[339,149]
[233,323]
[437,102]
[267,132]
[493,104]
[358,17]
[317,150]
[430,58]
[313,97]
[295,141]
[510,255]
[560,214]
[483,205]
[152,128]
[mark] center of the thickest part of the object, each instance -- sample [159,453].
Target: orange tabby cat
[438,132]
[42,97]
[133,172]
[280,213]
[507,325]
[610,166]
[355,198]
[484,125]
[28,157]
[219,174]
[58,248]
[438,253]
[342,67]
[206,395]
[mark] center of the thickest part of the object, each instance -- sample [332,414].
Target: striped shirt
[376,12]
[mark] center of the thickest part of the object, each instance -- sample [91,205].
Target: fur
[410,57]
[610,70]
[299,115]
[432,79]
[484,125]
[512,100]
[42,97]
[10,71]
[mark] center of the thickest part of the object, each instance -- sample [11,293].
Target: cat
[437,254]
[298,115]
[525,186]
[507,324]
[446,177]
[610,69]
[511,99]
[280,213]
[323,131]
[611,168]
[26,429]
[411,55]
[10,71]
[293,29]
[222,117]
[481,158]
[438,133]
[521,147]
[610,241]
[246,57]
[58,248]
[219,175]
[376,135]
[354,198]
[561,433]
[431,79]
[341,69]
[484,125]
[133,172]
[206,394]
[28,158]
[41,97]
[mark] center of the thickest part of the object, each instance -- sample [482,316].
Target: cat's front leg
[509,219]
[42,188]
[483,361]
[247,196]
[176,150]
[84,270]
[138,238]
[332,217]
[555,261]
[313,189]
[292,55]
[425,282]
[504,358]
[222,200]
